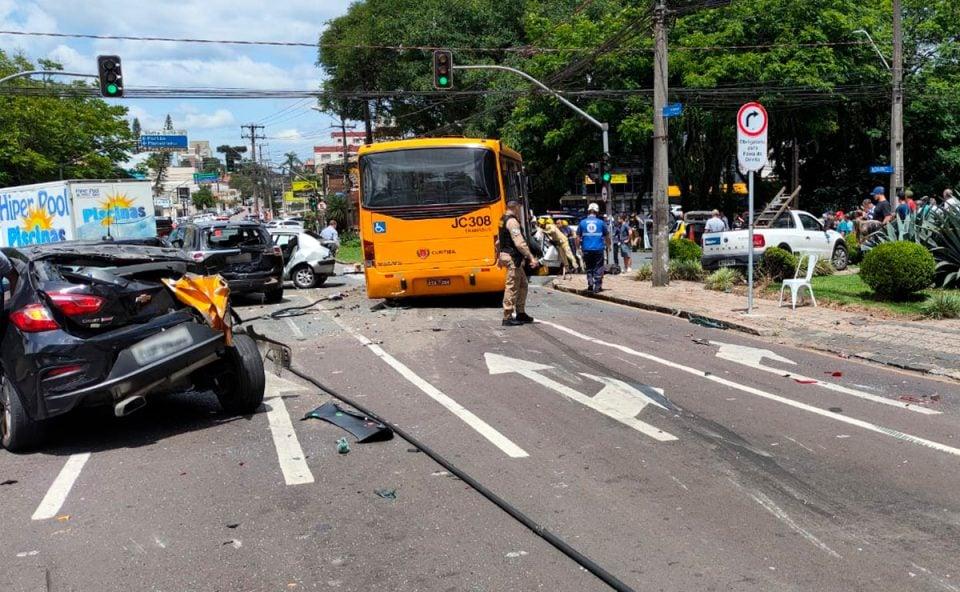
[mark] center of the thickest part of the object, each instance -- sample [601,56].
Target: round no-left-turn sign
[752,120]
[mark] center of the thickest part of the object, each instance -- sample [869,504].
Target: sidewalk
[932,347]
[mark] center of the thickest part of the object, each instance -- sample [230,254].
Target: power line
[524,49]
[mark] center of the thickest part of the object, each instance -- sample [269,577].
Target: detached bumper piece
[362,427]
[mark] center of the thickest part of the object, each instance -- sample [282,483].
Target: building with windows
[333,153]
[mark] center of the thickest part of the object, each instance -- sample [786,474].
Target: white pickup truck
[793,231]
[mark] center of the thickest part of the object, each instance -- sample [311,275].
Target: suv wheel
[18,433]
[840,258]
[240,392]
[304,278]
[273,296]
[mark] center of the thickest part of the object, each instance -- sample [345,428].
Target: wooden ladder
[780,202]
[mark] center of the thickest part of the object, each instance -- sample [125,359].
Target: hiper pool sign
[752,126]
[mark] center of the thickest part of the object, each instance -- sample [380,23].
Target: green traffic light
[607,177]
[111,89]
[443,80]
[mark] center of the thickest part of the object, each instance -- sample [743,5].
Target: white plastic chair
[796,284]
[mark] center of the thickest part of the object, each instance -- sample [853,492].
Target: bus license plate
[437,282]
[728,263]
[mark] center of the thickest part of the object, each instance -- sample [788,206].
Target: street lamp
[877,49]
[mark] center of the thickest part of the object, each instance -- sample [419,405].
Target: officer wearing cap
[594,240]
[512,251]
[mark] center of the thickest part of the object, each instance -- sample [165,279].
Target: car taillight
[277,251]
[196,256]
[62,371]
[75,305]
[759,241]
[369,253]
[33,318]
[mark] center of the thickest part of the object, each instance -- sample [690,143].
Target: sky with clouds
[290,124]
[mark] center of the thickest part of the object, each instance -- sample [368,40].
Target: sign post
[752,124]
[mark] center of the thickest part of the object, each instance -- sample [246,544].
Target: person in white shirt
[715,224]
[330,232]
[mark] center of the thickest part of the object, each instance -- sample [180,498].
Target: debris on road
[390,494]
[922,400]
[804,381]
[835,374]
[699,341]
[235,543]
[708,323]
[515,554]
[9,482]
[335,296]
[343,446]
[234,525]
[362,427]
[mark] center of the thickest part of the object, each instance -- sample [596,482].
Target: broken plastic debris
[63,517]
[361,426]
[836,374]
[804,381]
[336,296]
[9,482]
[700,341]
[234,525]
[390,494]
[924,400]
[705,322]
[343,446]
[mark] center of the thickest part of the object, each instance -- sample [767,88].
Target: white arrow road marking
[753,391]
[61,486]
[617,400]
[751,356]
[293,464]
[482,427]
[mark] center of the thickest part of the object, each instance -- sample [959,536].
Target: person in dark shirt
[882,212]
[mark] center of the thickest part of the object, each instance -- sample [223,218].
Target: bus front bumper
[382,283]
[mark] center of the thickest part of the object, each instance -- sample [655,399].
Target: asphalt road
[677,457]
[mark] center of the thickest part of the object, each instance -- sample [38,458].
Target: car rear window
[234,237]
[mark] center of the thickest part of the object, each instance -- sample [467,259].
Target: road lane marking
[752,356]
[482,427]
[760,393]
[293,465]
[61,486]
[616,400]
[293,327]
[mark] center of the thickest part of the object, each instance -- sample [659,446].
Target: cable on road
[537,529]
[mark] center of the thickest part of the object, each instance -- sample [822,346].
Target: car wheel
[240,392]
[840,258]
[304,278]
[274,296]
[18,433]
[785,247]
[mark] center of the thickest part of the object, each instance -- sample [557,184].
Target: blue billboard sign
[162,142]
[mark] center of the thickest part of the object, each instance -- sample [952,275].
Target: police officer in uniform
[512,251]
[594,240]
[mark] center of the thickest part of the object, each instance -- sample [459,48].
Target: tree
[291,162]
[44,138]
[168,123]
[232,155]
[159,163]
[203,198]
[211,165]
[135,127]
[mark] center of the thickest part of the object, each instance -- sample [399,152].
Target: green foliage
[337,209]
[943,305]
[723,279]
[853,249]
[42,136]
[944,242]
[896,270]
[686,270]
[203,199]
[683,249]
[778,264]
[644,273]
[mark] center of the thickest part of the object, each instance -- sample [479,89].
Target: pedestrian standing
[512,251]
[715,223]
[594,239]
[726,222]
[845,226]
[624,237]
[911,203]
[882,212]
[616,223]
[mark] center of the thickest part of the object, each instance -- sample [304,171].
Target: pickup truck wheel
[304,278]
[840,258]
[240,392]
[785,248]
[18,433]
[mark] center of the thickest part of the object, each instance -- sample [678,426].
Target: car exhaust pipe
[129,405]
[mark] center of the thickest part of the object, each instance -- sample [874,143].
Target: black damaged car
[92,323]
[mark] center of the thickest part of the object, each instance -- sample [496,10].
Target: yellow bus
[429,212]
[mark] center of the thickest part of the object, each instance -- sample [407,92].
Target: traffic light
[606,173]
[313,203]
[111,77]
[442,69]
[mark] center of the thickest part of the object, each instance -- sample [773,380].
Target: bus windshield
[429,176]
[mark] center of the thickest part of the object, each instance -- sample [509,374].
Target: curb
[674,312]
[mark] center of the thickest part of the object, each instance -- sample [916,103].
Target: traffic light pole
[27,73]
[604,127]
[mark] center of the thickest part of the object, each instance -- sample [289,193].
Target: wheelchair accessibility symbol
[380,227]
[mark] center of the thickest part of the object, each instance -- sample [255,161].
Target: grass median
[849,290]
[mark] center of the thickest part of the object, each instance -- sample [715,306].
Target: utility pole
[896,113]
[346,157]
[661,276]
[253,136]
[269,184]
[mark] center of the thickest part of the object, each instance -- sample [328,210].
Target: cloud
[287,135]
[217,119]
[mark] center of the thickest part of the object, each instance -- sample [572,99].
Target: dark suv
[88,323]
[242,252]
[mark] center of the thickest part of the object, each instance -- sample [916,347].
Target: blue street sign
[380,227]
[157,141]
[881,169]
[673,110]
